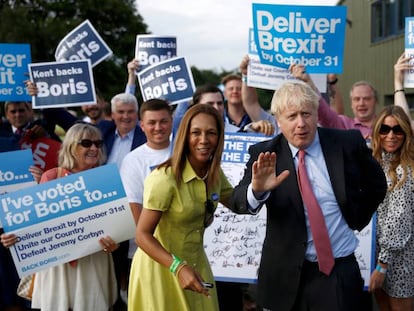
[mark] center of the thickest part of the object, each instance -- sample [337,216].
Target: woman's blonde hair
[404,156]
[67,153]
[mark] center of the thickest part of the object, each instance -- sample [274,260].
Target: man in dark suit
[22,131]
[347,183]
[120,136]
[20,122]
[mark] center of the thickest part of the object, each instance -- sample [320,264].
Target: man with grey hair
[123,133]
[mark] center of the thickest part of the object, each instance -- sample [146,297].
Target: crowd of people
[321,175]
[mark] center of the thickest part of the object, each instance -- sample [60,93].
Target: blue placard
[83,42]
[409,51]
[311,35]
[170,80]
[60,197]
[14,59]
[409,32]
[63,219]
[236,149]
[152,49]
[15,176]
[63,84]
[270,77]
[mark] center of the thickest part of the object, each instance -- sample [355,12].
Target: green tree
[44,23]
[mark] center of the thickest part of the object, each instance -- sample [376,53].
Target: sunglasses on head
[385,129]
[87,143]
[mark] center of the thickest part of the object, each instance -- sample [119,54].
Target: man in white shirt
[156,123]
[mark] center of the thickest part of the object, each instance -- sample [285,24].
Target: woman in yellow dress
[170,265]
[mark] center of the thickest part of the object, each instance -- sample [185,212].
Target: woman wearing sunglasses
[170,270]
[87,283]
[393,279]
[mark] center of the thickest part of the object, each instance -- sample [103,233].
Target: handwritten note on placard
[365,252]
[233,243]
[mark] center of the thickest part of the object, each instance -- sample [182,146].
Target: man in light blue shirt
[348,185]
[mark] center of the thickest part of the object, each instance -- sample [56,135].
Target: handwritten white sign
[233,243]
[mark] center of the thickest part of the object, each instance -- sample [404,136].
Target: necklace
[205,176]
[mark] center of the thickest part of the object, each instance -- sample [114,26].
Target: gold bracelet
[180,267]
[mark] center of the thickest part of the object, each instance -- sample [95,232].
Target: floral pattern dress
[395,234]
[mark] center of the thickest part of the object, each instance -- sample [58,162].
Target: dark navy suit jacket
[359,185]
[108,132]
[50,117]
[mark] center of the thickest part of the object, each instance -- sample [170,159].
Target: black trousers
[230,296]
[9,280]
[342,290]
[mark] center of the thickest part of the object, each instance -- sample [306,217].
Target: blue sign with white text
[63,219]
[59,197]
[170,80]
[83,42]
[152,49]
[310,35]
[409,32]
[14,176]
[409,51]
[14,59]
[62,84]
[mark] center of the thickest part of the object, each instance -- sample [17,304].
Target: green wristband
[174,265]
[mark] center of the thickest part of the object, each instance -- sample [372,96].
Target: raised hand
[264,173]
